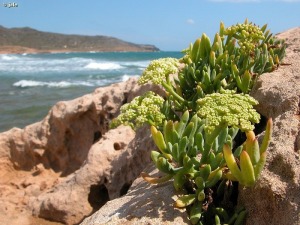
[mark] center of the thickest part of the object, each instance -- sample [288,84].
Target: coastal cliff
[28,40]
[70,165]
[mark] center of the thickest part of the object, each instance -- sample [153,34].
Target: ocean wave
[8,57]
[103,66]
[60,84]
[125,77]
[62,63]
[64,84]
[140,64]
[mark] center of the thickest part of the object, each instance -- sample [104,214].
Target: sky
[170,25]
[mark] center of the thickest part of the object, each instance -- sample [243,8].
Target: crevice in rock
[239,139]
[125,100]
[261,126]
[98,196]
[103,122]
[97,136]
[297,143]
[125,189]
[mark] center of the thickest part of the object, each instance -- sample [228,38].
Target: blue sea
[30,84]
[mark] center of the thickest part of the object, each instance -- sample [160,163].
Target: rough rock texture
[275,199]
[66,166]
[108,171]
[143,204]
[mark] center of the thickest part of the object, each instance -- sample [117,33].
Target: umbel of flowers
[197,127]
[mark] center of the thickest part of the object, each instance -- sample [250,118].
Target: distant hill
[20,40]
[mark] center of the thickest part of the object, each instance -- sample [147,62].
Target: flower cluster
[248,36]
[142,109]
[158,70]
[228,109]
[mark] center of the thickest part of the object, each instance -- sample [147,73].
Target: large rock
[275,199]
[110,168]
[67,166]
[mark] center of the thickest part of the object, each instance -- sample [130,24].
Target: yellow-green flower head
[228,109]
[248,35]
[158,70]
[142,109]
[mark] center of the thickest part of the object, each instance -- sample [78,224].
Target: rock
[66,166]
[275,199]
[143,204]
[106,174]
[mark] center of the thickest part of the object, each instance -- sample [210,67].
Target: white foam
[60,84]
[27,83]
[8,57]
[125,77]
[103,66]
[141,64]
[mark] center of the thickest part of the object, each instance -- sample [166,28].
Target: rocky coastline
[70,168]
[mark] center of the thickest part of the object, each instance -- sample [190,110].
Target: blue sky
[171,25]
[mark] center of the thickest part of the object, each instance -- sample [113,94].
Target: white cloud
[190,21]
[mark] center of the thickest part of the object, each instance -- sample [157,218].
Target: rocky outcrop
[275,199]
[68,165]
[110,168]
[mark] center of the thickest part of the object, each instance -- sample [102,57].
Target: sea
[30,84]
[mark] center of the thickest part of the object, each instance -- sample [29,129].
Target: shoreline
[24,50]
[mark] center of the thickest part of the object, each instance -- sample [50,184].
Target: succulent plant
[195,127]
[181,147]
[224,63]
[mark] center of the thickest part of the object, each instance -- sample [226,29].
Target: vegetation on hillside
[27,38]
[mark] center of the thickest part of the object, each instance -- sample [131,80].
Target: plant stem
[172,92]
[209,140]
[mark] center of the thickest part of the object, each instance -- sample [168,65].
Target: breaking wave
[103,66]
